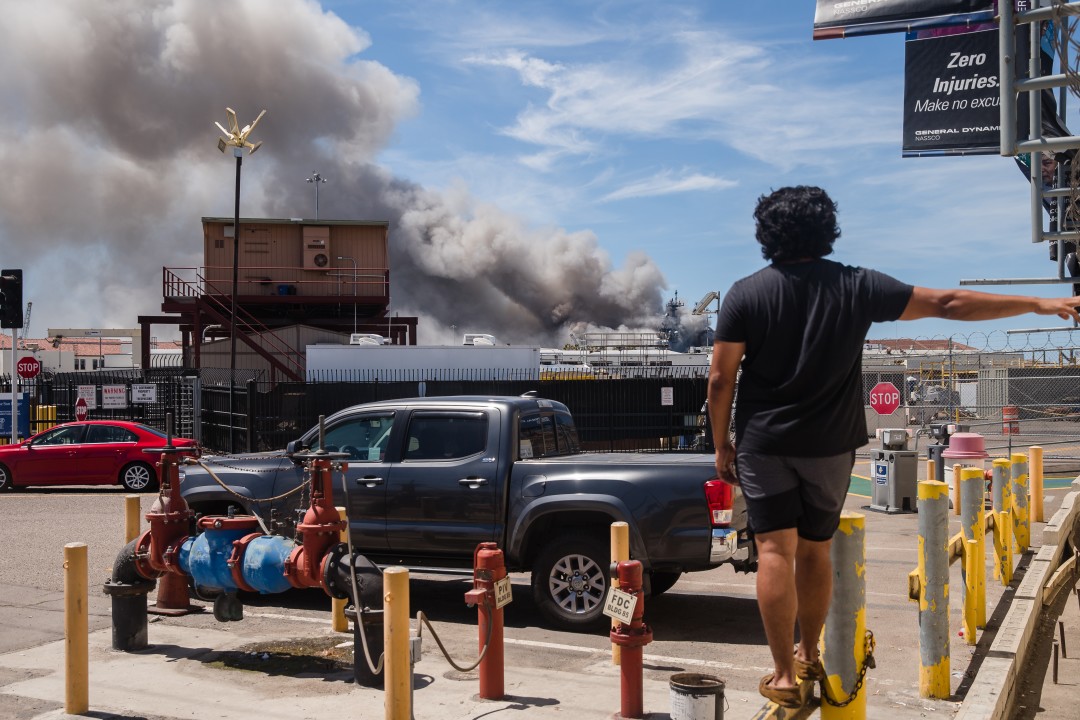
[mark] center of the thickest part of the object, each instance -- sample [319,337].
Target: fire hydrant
[632,639]
[488,568]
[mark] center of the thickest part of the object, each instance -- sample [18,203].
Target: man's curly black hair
[795,223]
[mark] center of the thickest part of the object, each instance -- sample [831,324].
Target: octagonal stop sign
[80,409]
[28,367]
[884,398]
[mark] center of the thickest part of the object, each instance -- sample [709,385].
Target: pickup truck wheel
[570,581]
[663,581]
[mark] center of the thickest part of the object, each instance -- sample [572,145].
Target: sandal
[814,671]
[791,698]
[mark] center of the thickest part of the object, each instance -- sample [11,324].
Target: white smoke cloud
[108,145]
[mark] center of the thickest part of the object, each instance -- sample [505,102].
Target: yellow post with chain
[845,640]
[397,667]
[76,629]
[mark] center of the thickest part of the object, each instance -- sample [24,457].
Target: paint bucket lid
[965,446]
[697,684]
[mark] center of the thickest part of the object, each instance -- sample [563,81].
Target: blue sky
[627,140]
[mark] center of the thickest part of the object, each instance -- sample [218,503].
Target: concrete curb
[991,695]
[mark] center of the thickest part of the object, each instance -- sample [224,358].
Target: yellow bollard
[1003,546]
[973,525]
[934,657]
[844,635]
[1019,492]
[971,589]
[397,665]
[132,519]
[620,551]
[931,469]
[338,621]
[1036,476]
[76,642]
[956,475]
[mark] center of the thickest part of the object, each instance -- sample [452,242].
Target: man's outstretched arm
[972,305]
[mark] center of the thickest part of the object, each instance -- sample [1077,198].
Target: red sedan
[94,452]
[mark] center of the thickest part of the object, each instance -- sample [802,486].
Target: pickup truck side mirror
[294,447]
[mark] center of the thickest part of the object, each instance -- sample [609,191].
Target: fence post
[1036,477]
[250,420]
[973,523]
[934,594]
[1019,491]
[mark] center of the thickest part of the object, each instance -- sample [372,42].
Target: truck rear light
[721,498]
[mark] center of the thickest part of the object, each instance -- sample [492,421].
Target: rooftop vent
[478,339]
[367,339]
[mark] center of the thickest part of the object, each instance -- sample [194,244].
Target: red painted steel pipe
[321,528]
[488,568]
[632,639]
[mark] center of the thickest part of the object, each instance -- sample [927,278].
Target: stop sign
[885,398]
[28,367]
[80,409]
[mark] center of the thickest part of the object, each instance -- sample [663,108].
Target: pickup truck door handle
[472,482]
[369,481]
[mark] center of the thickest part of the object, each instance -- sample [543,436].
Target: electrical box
[895,482]
[316,248]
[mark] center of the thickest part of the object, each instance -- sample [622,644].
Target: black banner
[839,18]
[951,94]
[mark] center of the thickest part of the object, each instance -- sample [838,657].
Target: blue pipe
[205,559]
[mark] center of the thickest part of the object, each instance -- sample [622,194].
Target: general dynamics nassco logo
[957,131]
[853,7]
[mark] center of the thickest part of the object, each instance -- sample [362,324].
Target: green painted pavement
[861,485]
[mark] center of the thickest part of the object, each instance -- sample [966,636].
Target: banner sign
[845,18]
[23,418]
[952,95]
[114,396]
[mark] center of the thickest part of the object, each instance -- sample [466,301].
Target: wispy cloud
[667,183]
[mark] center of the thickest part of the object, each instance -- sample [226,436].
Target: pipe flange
[236,560]
[330,561]
[142,558]
[115,588]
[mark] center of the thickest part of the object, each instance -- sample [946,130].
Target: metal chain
[232,492]
[868,662]
[423,620]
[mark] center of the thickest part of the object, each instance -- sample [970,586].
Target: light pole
[345,257]
[317,178]
[237,139]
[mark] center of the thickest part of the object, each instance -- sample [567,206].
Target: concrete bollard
[1018,490]
[973,523]
[620,552]
[934,655]
[396,634]
[1000,502]
[1036,477]
[76,631]
[844,634]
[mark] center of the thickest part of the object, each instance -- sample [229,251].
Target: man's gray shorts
[784,492]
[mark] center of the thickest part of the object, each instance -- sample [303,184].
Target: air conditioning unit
[316,248]
[478,339]
[367,339]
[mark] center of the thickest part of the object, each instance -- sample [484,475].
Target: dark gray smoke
[108,147]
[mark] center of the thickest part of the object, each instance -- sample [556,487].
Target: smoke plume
[108,146]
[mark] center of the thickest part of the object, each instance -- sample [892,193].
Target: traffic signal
[11,304]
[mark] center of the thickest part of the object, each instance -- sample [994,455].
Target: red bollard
[632,638]
[488,568]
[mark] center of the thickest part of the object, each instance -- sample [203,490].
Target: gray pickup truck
[427,479]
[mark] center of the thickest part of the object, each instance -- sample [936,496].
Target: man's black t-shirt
[804,325]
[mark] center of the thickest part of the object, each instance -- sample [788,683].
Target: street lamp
[316,178]
[345,257]
[237,139]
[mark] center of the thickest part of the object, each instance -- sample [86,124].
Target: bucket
[696,697]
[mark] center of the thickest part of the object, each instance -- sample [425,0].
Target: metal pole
[76,641]
[1019,492]
[845,626]
[934,595]
[235,281]
[1036,477]
[973,523]
[1034,133]
[620,552]
[14,392]
[1007,96]
[398,667]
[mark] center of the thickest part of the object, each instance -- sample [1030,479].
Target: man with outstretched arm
[796,330]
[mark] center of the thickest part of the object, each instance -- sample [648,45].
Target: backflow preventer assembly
[233,553]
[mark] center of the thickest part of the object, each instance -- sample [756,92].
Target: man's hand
[725,463]
[1064,308]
